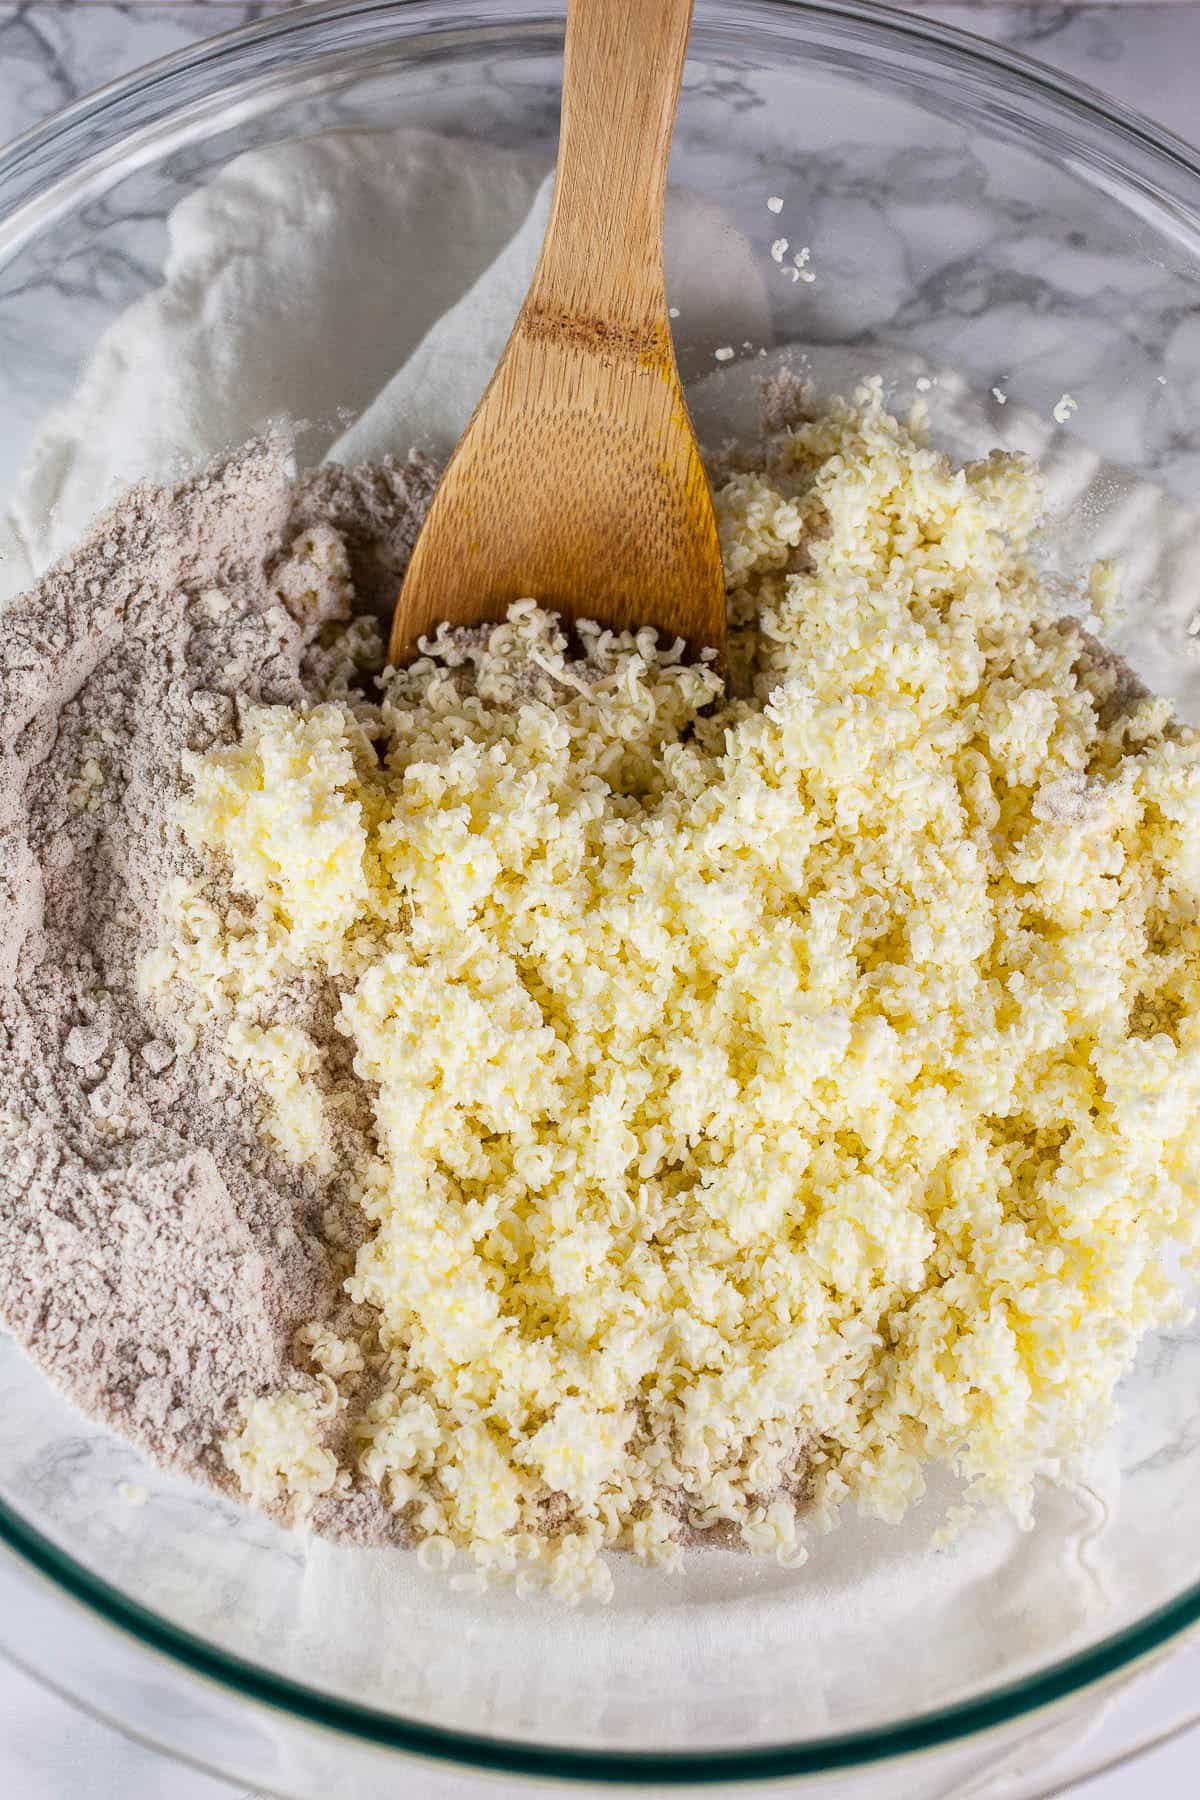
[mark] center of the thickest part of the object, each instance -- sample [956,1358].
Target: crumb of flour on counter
[999,396]
[775,203]
[725,354]
[1064,406]
[774,1093]
[779,249]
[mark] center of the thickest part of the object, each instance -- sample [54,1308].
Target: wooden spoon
[578,482]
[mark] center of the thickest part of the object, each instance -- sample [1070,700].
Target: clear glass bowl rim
[1138,150]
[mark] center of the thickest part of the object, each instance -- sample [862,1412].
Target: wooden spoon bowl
[578,481]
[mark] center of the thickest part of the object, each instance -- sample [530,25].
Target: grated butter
[773,1096]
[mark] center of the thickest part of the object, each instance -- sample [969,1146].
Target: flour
[155,1257]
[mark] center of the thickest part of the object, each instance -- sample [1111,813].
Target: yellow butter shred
[277,1449]
[772,1096]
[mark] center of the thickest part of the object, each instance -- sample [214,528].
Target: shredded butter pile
[772,1096]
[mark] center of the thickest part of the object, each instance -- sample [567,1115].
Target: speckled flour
[155,1257]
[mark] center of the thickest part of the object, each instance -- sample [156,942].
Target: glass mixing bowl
[963,206]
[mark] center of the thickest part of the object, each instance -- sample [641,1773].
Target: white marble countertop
[1144,53]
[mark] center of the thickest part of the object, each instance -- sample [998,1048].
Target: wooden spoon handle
[601,262]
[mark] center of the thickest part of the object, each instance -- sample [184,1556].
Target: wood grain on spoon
[578,482]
